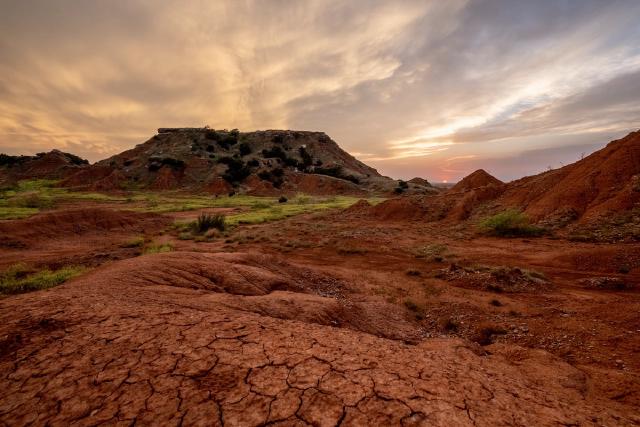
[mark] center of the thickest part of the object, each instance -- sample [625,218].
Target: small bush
[158,248]
[282,199]
[336,172]
[275,152]
[495,303]
[134,243]
[236,170]
[510,223]
[20,278]
[351,250]
[307,160]
[412,272]
[416,308]
[209,221]
[245,149]
[485,333]
[30,200]
[435,252]
[449,325]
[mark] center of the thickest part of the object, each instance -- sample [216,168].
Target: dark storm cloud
[408,85]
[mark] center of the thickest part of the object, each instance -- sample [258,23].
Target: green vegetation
[32,196]
[21,278]
[351,250]
[29,197]
[336,172]
[136,242]
[205,222]
[433,252]
[510,223]
[417,308]
[298,205]
[402,186]
[158,248]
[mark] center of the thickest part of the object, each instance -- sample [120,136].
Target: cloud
[413,84]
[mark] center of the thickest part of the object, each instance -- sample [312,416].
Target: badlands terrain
[269,278]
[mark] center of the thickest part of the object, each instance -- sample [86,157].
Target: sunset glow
[420,88]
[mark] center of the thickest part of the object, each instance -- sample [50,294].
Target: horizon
[414,89]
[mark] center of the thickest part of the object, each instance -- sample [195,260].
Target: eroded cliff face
[220,161]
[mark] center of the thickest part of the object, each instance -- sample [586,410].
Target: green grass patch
[510,223]
[158,248]
[296,206]
[28,197]
[20,278]
[31,196]
[136,242]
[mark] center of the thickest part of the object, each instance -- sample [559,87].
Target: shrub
[510,223]
[351,250]
[174,164]
[7,160]
[236,170]
[208,221]
[495,303]
[417,309]
[336,172]
[30,199]
[76,160]
[134,243]
[307,160]
[412,272]
[253,163]
[433,252]
[274,177]
[244,149]
[485,333]
[278,153]
[20,278]
[449,325]
[158,248]
[282,199]
[212,135]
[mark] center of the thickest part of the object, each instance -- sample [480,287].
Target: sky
[435,89]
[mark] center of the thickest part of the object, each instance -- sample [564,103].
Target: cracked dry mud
[122,346]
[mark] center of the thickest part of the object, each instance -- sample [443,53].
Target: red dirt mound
[271,287]
[163,355]
[360,207]
[83,177]
[58,224]
[605,182]
[479,178]
[320,185]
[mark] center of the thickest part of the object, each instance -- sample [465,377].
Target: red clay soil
[603,183]
[75,236]
[479,178]
[142,341]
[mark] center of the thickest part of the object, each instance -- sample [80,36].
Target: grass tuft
[510,223]
[20,278]
[205,222]
[158,248]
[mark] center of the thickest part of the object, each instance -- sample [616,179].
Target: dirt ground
[320,319]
